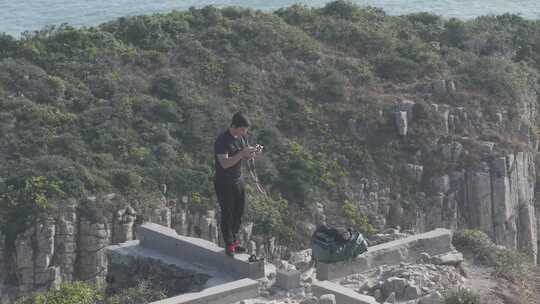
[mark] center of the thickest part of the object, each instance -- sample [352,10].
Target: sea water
[17,16]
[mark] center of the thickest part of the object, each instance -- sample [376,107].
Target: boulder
[452,258]
[327,299]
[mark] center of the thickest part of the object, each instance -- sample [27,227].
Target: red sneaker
[237,247]
[230,249]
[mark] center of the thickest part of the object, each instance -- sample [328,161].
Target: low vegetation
[507,263]
[135,104]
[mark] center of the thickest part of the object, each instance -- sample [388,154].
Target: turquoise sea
[17,16]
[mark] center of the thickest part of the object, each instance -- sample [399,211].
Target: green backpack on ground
[329,245]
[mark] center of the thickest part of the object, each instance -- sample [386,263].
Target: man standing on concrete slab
[230,149]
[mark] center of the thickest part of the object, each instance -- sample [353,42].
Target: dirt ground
[499,291]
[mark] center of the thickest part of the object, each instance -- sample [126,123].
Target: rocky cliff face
[72,245]
[477,169]
[486,185]
[497,198]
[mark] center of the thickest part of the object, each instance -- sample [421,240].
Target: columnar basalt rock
[123,222]
[496,198]
[33,257]
[179,220]
[527,231]
[92,259]
[450,212]
[414,171]
[435,212]
[24,260]
[443,112]
[45,274]
[3,269]
[439,87]
[403,114]
[505,200]
[402,123]
[451,152]
[161,215]
[202,224]
[66,243]
[479,199]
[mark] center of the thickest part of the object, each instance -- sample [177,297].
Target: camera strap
[251,167]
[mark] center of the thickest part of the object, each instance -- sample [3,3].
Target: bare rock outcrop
[3,269]
[495,197]
[201,224]
[92,259]
[123,225]
[66,243]
[403,114]
[33,256]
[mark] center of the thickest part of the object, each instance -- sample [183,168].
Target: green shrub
[142,294]
[267,214]
[340,9]
[330,85]
[395,67]
[125,180]
[508,264]
[502,78]
[68,293]
[8,46]
[477,243]
[455,33]
[354,219]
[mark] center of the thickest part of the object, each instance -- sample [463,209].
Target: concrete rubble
[419,280]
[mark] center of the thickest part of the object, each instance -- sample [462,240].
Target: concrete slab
[197,251]
[288,279]
[118,254]
[392,253]
[223,294]
[343,295]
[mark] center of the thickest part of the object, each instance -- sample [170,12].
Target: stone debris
[407,283]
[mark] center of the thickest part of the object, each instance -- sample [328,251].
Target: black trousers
[231,197]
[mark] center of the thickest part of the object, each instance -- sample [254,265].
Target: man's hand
[248,152]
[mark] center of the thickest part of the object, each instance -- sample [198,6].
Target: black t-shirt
[228,144]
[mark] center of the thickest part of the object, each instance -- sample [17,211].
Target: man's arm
[226,162]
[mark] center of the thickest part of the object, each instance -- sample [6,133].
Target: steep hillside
[368,120]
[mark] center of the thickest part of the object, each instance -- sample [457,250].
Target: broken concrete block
[435,242]
[288,279]
[412,292]
[228,293]
[327,299]
[394,285]
[451,258]
[195,250]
